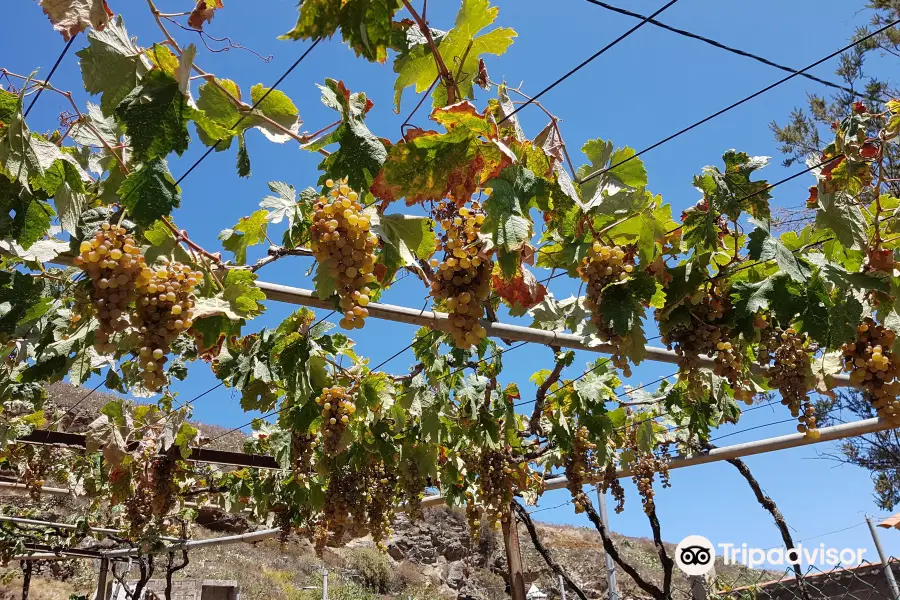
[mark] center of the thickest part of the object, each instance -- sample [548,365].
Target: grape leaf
[155,115]
[276,106]
[243,157]
[204,13]
[111,65]
[249,231]
[219,117]
[507,209]
[150,192]
[366,25]
[838,212]
[521,292]
[731,192]
[242,293]
[406,239]
[70,17]
[361,153]
[19,294]
[764,246]
[432,166]
[283,205]
[9,107]
[461,49]
[614,190]
[23,217]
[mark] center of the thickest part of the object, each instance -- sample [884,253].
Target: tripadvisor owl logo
[695,555]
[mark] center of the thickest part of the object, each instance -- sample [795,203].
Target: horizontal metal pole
[244,538]
[440,321]
[784,442]
[71,526]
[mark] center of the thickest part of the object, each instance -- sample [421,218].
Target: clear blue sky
[651,85]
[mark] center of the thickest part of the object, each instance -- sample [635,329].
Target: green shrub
[373,568]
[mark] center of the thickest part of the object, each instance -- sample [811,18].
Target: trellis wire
[590,59]
[59,60]
[721,46]
[718,113]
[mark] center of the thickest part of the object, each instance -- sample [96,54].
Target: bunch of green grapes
[113,262]
[580,467]
[462,280]
[610,481]
[412,489]
[496,483]
[337,407]
[703,336]
[380,496]
[604,266]
[344,511]
[790,374]
[163,311]
[342,243]
[302,450]
[644,468]
[872,366]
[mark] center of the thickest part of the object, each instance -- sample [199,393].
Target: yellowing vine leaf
[431,166]
[69,17]
[521,292]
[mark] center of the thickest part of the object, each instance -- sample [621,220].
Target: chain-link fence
[867,581]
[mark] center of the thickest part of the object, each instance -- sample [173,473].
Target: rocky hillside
[433,558]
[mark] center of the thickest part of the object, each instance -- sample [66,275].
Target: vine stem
[553,119]
[452,88]
[182,236]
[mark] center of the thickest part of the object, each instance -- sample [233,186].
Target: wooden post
[26,578]
[102,585]
[513,557]
[562,587]
[325,584]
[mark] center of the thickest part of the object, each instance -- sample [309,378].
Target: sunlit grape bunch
[610,482]
[163,311]
[342,242]
[462,279]
[580,467]
[113,261]
[337,408]
[790,374]
[872,366]
[603,266]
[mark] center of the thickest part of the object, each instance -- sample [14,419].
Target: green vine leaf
[111,65]
[508,219]
[732,192]
[841,214]
[617,189]
[249,231]
[406,239]
[361,153]
[156,115]
[242,293]
[217,118]
[462,49]
[763,246]
[366,25]
[150,192]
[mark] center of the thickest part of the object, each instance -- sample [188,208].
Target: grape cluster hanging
[463,278]
[342,242]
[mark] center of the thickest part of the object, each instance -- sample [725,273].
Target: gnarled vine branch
[523,516]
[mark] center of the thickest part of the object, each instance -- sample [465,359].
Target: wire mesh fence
[866,581]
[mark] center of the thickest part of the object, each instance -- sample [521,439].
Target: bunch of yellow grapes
[342,242]
[872,365]
[337,407]
[462,279]
[163,311]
